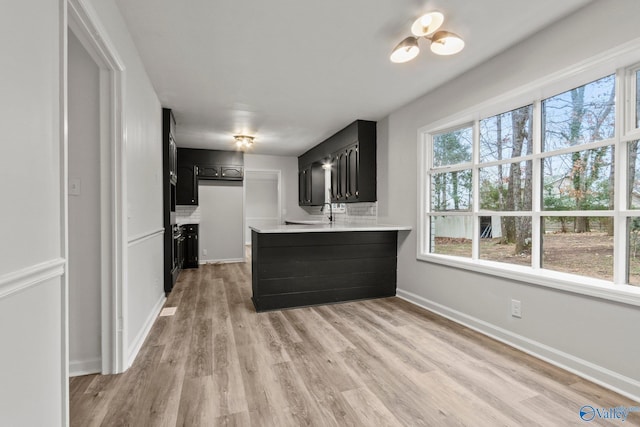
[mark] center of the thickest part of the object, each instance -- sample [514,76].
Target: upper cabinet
[197,164]
[187,188]
[311,190]
[345,176]
[351,153]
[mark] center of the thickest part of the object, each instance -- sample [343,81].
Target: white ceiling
[293,72]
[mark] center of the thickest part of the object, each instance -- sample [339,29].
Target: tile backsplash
[186,214]
[355,212]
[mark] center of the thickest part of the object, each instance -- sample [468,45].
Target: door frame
[82,20]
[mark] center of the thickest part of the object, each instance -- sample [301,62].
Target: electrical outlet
[516,308]
[204,252]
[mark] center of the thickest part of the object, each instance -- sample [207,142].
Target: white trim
[84,22]
[611,380]
[33,275]
[222,261]
[85,367]
[136,344]
[581,285]
[143,237]
[64,209]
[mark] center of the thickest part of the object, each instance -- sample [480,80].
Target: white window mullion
[620,233]
[536,188]
[425,156]
[475,179]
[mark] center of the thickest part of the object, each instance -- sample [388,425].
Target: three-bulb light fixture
[244,141]
[442,42]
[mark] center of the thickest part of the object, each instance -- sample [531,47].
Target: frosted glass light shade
[406,50]
[427,24]
[446,43]
[243,141]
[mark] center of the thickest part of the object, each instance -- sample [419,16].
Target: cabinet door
[308,186]
[208,171]
[353,164]
[173,160]
[180,252]
[334,178]
[231,172]
[187,187]
[302,187]
[191,251]
[342,175]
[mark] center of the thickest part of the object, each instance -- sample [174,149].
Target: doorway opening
[94,224]
[84,244]
[262,194]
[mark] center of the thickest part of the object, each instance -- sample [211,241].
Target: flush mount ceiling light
[244,141]
[442,42]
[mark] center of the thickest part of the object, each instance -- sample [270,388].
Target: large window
[536,187]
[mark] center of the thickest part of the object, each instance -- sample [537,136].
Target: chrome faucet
[330,211]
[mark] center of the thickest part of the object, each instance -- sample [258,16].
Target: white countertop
[327,227]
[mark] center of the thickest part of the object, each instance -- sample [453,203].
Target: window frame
[534,93]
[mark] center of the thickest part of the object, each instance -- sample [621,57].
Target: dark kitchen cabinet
[180,252]
[169,179]
[208,171]
[187,187]
[345,176]
[311,185]
[352,155]
[217,164]
[196,164]
[190,233]
[231,172]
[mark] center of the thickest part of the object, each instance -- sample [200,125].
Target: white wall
[84,211]
[593,336]
[221,218]
[32,286]
[288,165]
[144,291]
[261,193]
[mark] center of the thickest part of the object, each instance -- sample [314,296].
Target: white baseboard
[142,335]
[85,367]
[222,261]
[611,380]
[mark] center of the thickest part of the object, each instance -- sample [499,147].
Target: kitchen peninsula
[298,265]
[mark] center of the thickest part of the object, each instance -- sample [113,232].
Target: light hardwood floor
[381,362]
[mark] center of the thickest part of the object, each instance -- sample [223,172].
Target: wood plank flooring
[383,362]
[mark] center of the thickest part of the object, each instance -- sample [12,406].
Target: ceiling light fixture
[244,141]
[442,42]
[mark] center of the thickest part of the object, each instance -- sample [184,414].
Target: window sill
[573,283]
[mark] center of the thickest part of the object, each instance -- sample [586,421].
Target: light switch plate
[74,186]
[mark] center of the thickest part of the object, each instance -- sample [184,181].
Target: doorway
[84,224]
[96,291]
[262,199]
